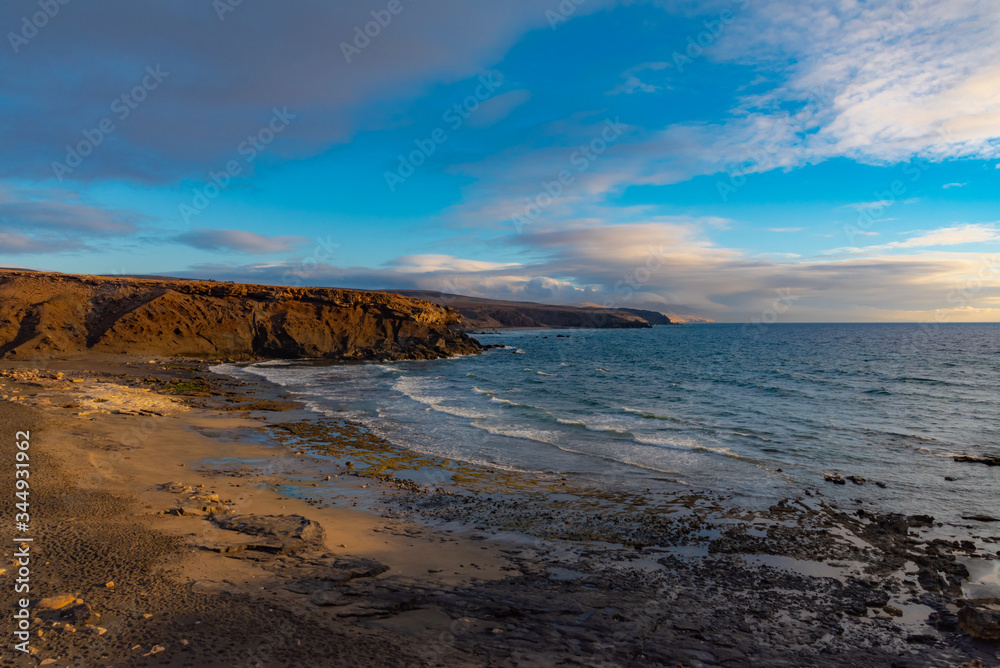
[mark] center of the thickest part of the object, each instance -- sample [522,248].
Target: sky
[739,160]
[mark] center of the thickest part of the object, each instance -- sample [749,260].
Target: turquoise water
[756,412]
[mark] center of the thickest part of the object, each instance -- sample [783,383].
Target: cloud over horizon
[671,265]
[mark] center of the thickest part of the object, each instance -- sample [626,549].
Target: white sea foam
[414,389]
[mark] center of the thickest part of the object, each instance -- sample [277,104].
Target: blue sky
[694,157]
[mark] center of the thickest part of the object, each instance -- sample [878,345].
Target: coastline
[481,571]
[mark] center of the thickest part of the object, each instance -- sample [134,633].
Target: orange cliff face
[63,315]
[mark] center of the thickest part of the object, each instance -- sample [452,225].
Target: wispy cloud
[40,221]
[951,236]
[955,235]
[16,243]
[785,229]
[239,241]
[63,211]
[632,83]
[954,185]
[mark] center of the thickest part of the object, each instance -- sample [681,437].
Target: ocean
[757,413]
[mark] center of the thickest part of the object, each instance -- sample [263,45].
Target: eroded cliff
[48,314]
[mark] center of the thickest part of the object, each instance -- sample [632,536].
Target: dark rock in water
[989,460]
[980,518]
[920,520]
[856,479]
[880,484]
[834,478]
[980,618]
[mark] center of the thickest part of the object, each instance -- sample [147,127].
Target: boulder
[980,618]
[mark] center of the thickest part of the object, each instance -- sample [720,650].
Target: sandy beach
[182,518]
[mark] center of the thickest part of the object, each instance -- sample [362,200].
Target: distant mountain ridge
[480,313]
[677,313]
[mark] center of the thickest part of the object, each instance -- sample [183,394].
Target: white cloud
[951,236]
[425,264]
[785,229]
[879,83]
[954,185]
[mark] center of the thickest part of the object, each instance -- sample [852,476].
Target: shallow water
[760,412]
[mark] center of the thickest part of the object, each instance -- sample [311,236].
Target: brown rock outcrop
[980,618]
[48,314]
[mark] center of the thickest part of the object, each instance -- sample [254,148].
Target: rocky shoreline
[414,561]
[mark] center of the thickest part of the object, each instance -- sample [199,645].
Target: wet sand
[239,529]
